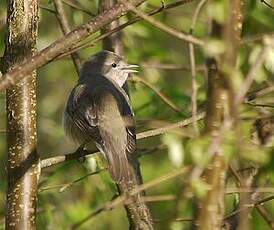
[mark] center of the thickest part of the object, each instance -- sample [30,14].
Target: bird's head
[110,65]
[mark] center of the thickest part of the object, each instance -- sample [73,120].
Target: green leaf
[175,148]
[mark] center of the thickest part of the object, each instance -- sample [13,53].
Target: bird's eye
[114,65]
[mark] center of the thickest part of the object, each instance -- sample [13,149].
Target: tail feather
[118,163]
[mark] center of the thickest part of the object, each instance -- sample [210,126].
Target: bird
[98,110]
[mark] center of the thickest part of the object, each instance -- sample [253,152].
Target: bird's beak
[130,68]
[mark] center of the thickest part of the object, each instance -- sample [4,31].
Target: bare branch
[21,70]
[193,66]
[220,113]
[163,97]
[253,95]
[47,9]
[119,28]
[63,187]
[80,152]
[249,206]
[267,4]
[266,216]
[162,130]
[268,42]
[78,7]
[167,66]
[167,29]
[68,157]
[61,16]
[124,198]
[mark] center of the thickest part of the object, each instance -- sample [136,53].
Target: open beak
[130,68]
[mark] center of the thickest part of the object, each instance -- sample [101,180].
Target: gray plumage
[98,110]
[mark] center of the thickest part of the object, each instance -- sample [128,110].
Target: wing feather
[102,113]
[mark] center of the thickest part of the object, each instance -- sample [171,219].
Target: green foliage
[148,46]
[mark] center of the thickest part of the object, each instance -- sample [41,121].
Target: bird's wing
[117,130]
[101,112]
[80,121]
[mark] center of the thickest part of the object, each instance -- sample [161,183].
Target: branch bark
[23,161]
[124,25]
[220,111]
[52,161]
[23,68]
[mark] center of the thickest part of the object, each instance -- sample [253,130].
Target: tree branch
[163,27]
[52,161]
[63,21]
[22,69]
[124,198]
[268,43]
[220,112]
[193,65]
[163,97]
[121,27]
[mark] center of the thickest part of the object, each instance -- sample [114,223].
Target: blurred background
[164,62]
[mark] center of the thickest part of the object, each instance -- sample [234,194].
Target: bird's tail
[121,167]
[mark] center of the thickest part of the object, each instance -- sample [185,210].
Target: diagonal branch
[165,28]
[77,6]
[124,198]
[150,133]
[63,21]
[122,26]
[21,70]
[163,97]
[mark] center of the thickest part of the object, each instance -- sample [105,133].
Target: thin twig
[159,198]
[268,42]
[250,190]
[47,9]
[80,153]
[59,159]
[64,24]
[235,174]
[63,187]
[22,69]
[121,27]
[163,97]
[138,213]
[76,7]
[162,130]
[255,38]
[125,198]
[249,206]
[193,66]
[177,3]
[265,215]
[267,4]
[178,219]
[260,105]
[167,29]
[168,66]
[253,95]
